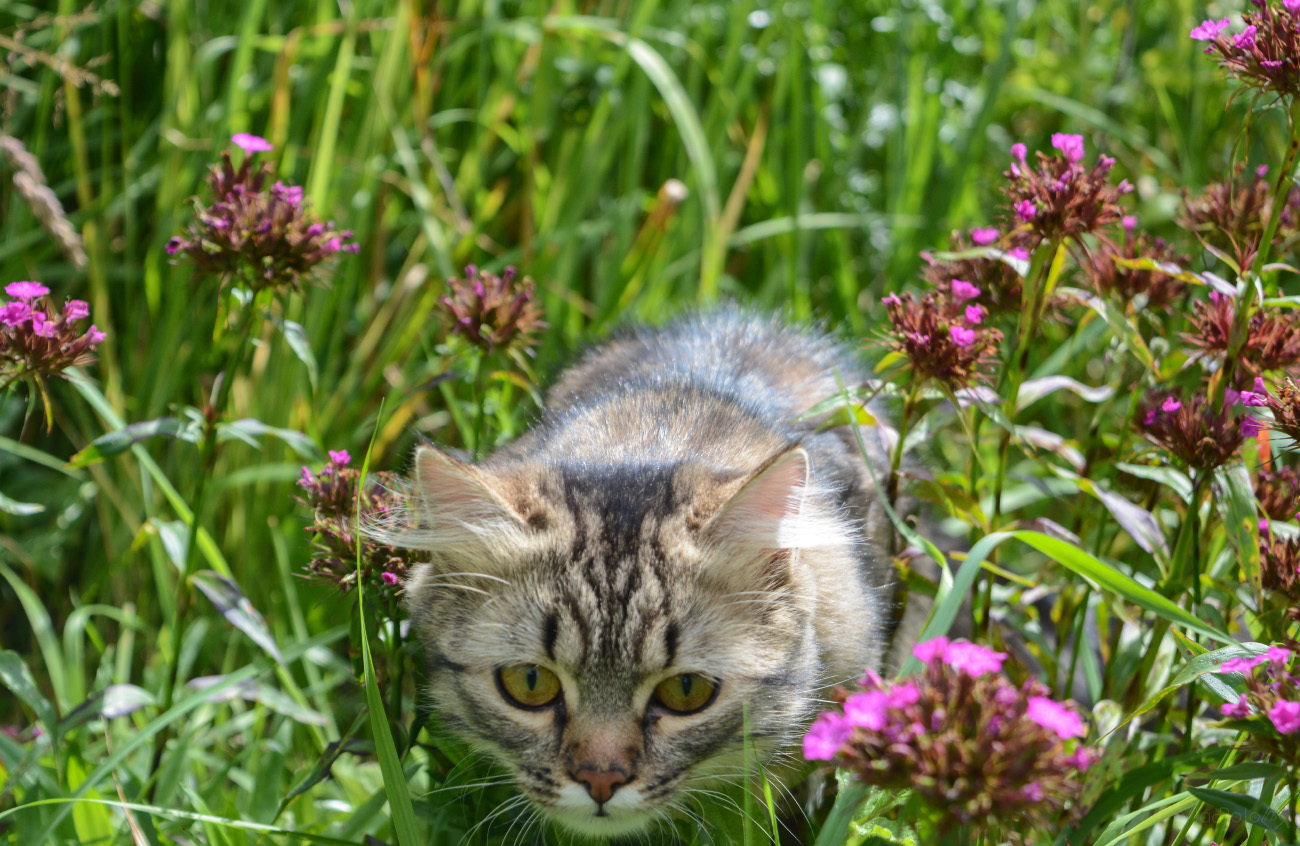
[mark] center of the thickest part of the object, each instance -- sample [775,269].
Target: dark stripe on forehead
[552,631]
[621,496]
[670,643]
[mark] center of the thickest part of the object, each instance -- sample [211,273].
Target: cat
[668,547]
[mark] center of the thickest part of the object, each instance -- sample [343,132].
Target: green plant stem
[207,465]
[904,421]
[479,399]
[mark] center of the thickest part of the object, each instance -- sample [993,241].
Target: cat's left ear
[774,510]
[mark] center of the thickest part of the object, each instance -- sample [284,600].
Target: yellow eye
[528,685]
[687,693]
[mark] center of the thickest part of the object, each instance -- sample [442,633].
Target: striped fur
[667,514]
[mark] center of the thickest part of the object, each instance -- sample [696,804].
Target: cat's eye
[687,693]
[528,685]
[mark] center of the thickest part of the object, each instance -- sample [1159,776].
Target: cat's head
[609,633]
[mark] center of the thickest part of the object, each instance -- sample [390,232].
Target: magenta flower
[75,310]
[975,313]
[1170,405]
[983,236]
[390,579]
[1252,399]
[1278,655]
[1026,210]
[902,695]
[1051,714]
[15,313]
[1241,665]
[826,735]
[1129,222]
[1250,427]
[963,290]
[867,710]
[891,299]
[1209,29]
[251,143]
[961,336]
[26,290]
[930,651]
[340,457]
[1239,709]
[1285,716]
[1071,146]
[1245,40]
[973,658]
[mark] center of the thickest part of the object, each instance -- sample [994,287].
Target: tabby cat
[666,547]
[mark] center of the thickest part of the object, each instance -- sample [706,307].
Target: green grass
[823,145]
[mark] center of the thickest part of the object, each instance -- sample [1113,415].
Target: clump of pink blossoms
[1058,197]
[1269,710]
[257,234]
[38,340]
[972,745]
[331,494]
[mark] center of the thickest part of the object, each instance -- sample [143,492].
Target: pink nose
[601,784]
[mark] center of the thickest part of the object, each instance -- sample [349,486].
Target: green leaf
[296,338]
[390,766]
[122,439]
[15,675]
[835,831]
[116,700]
[230,600]
[1247,772]
[1035,389]
[1116,582]
[321,769]
[1235,499]
[252,690]
[1134,783]
[19,509]
[1174,479]
[1248,809]
[249,430]
[1194,669]
[1124,329]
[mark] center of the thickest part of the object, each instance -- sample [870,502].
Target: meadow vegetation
[1065,233]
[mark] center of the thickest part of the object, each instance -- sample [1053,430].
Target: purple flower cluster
[493,312]
[37,340]
[1057,197]
[992,273]
[1265,53]
[1231,215]
[1272,335]
[254,233]
[972,744]
[331,494]
[1200,436]
[941,335]
[1273,692]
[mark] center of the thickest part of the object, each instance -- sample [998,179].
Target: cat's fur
[668,513]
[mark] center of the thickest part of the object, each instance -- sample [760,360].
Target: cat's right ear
[456,512]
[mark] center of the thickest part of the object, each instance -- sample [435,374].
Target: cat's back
[725,388]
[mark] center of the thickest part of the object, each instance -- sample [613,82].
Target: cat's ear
[457,512]
[774,510]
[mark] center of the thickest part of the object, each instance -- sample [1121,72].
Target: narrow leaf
[1035,389]
[296,338]
[253,690]
[249,430]
[19,509]
[116,700]
[226,595]
[123,439]
[15,675]
[1245,808]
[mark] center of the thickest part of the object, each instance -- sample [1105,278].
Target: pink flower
[973,658]
[963,290]
[1285,716]
[1241,665]
[1034,792]
[1129,222]
[1253,400]
[1081,759]
[12,314]
[1260,387]
[1018,253]
[26,290]
[867,710]
[826,735]
[961,336]
[390,579]
[1292,6]
[1209,30]
[1051,714]
[1239,709]
[983,236]
[930,651]
[1026,210]
[902,695]
[1250,427]
[76,310]
[1278,655]
[974,313]
[340,457]
[1071,146]
[1170,405]
[891,299]
[251,143]
[306,480]
[1245,40]
[1018,152]
[42,326]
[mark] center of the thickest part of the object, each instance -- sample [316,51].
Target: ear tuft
[775,509]
[454,511]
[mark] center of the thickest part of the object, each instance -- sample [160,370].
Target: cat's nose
[601,784]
